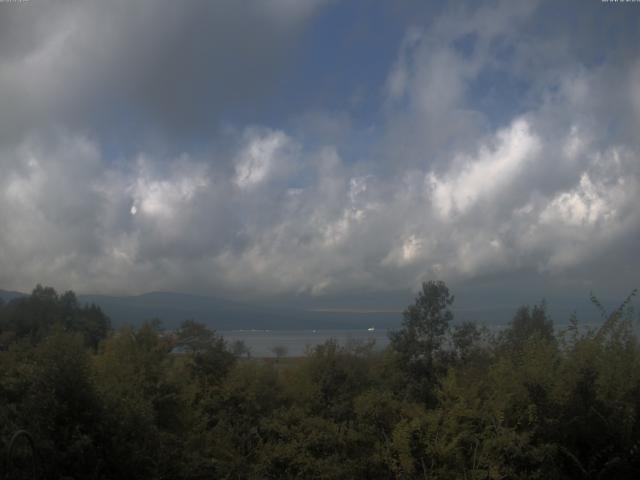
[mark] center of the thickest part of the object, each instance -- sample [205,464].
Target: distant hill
[9,295]
[221,314]
[173,308]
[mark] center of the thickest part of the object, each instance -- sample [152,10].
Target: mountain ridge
[171,308]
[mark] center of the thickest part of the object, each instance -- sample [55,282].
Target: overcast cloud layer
[169,146]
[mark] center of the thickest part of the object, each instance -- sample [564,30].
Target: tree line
[442,401]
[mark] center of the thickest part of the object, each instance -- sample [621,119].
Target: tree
[36,315]
[209,358]
[419,342]
[240,349]
[62,407]
[194,336]
[279,351]
[144,409]
[526,324]
[467,340]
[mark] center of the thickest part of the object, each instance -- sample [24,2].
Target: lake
[296,342]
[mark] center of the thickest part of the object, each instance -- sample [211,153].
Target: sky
[320,150]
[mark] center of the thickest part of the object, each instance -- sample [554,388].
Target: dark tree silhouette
[420,340]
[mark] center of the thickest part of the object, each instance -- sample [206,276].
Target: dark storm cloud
[174,65]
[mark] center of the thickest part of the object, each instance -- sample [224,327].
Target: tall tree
[526,324]
[419,342]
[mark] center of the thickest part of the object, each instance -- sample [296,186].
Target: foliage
[34,317]
[442,402]
[419,343]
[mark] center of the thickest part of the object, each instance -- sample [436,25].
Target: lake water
[296,342]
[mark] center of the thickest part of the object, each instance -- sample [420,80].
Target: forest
[444,400]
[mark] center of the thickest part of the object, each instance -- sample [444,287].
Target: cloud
[171,66]
[266,155]
[458,181]
[472,180]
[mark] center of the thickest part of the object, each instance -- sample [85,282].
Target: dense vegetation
[442,401]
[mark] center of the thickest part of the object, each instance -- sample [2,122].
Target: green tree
[526,324]
[35,316]
[279,351]
[468,340]
[208,357]
[240,349]
[145,414]
[57,402]
[419,343]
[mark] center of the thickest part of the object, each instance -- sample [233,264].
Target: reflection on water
[261,342]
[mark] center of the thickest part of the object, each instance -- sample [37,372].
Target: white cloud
[162,198]
[267,154]
[584,205]
[473,179]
